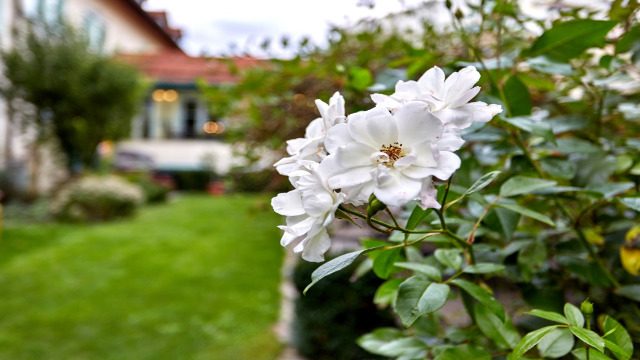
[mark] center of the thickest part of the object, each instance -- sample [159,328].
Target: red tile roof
[179,68]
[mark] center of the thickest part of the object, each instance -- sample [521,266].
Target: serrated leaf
[519,185]
[483,268]
[449,257]
[430,271]
[632,203]
[484,181]
[569,39]
[417,296]
[503,333]
[384,262]
[574,315]
[386,293]
[549,315]
[417,215]
[518,99]
[617,335]
[482,296]
[526,212]
[557,343]
[333,266]
[588,337]
[530,340]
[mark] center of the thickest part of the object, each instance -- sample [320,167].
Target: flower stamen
[393,151]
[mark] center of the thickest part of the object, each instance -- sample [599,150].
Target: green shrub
[154,192]
[96,198]
[332,315]
[257,181]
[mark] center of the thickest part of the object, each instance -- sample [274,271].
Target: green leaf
[629,291]
[526,212]
[483,268]
[538,128]
[632,203]
[390,342]
[384,261]
[617,351]
[449,257]
[386,293]
[430,271]
[568,39]
[574,315]
[360,78]
[611,189]
[588,337]
[333,266]
[482,182]
[502,333]
[518,99]
[417,215]
[618,336]
[508,221]
[518,185]
[549,315]
[544,65]
[581,354]
[482,296]
[465,351]
[530,340]
[434,297]
[628,40]
[556,344]
[417,296]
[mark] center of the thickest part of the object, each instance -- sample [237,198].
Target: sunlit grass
[195,279]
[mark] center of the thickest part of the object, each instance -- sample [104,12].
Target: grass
[195,279]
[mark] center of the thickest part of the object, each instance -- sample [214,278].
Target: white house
[174,128]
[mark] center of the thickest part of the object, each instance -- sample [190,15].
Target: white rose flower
[389,155]
[311,147]
[448,98]
[309,209]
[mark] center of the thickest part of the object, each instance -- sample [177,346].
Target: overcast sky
[212,26]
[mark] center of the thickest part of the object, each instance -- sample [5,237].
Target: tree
[78,97]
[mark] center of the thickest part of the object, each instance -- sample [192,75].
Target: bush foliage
[545,204]
[97,198]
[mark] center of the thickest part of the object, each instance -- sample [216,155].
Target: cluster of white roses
[392,151]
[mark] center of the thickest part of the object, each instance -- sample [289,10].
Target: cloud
[213,25]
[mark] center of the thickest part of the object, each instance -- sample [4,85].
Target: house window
[190,108]
[30,8]
[96,31]
[50,11]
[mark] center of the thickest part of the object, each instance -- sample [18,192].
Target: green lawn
[194,279]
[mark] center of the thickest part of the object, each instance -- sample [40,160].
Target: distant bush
[97,198]
[154,191]
[257,181]
[332,315]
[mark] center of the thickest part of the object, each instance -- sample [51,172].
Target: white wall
[124,31]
